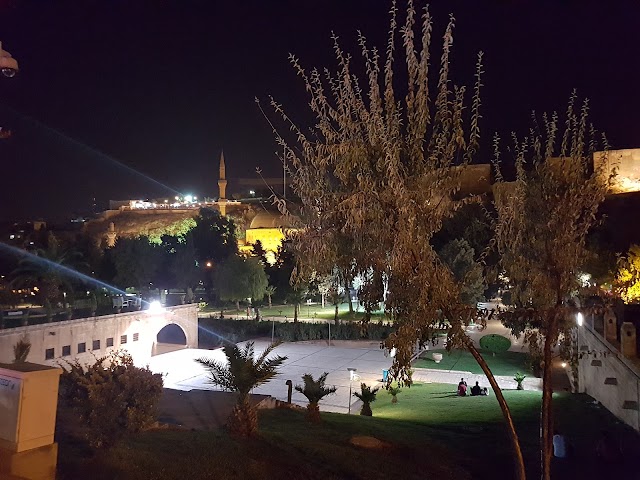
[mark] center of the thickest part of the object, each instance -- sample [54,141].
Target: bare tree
[543,220]
[377,176]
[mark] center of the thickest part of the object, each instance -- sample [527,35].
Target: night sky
[163,86]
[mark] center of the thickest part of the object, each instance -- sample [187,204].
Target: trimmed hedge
[213,331]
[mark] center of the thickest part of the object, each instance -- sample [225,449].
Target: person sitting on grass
[484,392]
[475,390]
[462,388]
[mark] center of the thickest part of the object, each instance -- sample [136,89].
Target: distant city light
[188,198]
[252,192]
[209,264]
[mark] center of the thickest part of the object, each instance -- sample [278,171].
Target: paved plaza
[183,373]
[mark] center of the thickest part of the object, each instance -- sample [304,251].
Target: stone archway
[169,338]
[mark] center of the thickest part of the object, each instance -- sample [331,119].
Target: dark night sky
[162,86]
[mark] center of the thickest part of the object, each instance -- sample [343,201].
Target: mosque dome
[270,220]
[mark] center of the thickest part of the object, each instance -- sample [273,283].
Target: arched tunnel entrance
[170,338]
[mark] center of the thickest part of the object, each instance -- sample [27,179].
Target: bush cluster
[110,398]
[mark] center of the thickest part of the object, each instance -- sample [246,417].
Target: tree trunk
[348,292]
[322,296]
[243,420]
[366,410]
[335,315]
[313,412]
[238,305]
[269,297]
[513,436]
[546,422]
[295,312]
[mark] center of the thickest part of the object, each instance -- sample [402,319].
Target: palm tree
[315,391]
[367,396]
[394,391]
[21,350]
[241,374]
[270,290]
[47,271]
[297,296]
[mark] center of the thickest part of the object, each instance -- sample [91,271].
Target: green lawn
[431,434]
[507,363]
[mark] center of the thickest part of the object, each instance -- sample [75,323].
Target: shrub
[214,331]
[111,398]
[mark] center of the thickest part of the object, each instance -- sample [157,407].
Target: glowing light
[579,319]
[564,364]
[252,192]
[188,198]
[392,352]
[585,279]
[155,307]
[209,264]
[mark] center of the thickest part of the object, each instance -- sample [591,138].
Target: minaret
[222,186]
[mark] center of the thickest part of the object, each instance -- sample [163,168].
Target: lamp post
[273,328]
[352,376]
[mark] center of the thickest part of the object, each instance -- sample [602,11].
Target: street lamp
[352,376]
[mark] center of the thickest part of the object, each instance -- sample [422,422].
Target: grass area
[507,363]
[306,311]
[431,434]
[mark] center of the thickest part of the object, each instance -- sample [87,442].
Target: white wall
[71,333]
[609,377]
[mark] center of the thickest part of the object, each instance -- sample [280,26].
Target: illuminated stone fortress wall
[627,168]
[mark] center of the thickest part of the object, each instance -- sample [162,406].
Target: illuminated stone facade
[626,164]
[270,229]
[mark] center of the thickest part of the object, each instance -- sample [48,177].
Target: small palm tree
[519,378]
[21,350]
[367,396]
[241,374]
[394,391]
[314,390]
[269,291]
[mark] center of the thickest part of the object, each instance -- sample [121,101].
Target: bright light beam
[89,150]
[86,278]
[62,268]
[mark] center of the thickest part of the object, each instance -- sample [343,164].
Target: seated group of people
[476,390]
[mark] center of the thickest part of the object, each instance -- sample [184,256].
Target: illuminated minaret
[222,186]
